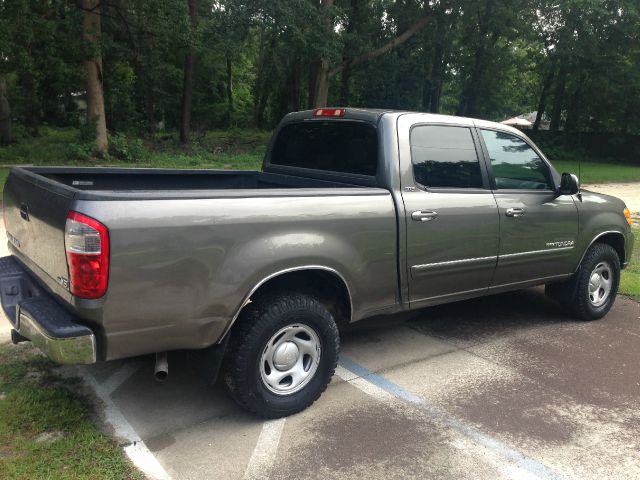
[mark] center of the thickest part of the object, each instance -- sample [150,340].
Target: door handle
[514,212]
[24,211]
[423,215]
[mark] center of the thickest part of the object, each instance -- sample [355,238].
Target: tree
[323,71]
[6,132]
[93,72]
[189,66]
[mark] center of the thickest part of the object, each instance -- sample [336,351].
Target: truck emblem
[64,282]
[563,243]
[13,240]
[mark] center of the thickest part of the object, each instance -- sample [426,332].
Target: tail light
[86,242]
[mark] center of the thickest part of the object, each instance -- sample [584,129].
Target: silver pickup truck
[355,213]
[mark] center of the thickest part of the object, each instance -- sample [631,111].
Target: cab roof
[373,115]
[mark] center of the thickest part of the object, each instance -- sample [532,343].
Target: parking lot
[499,387]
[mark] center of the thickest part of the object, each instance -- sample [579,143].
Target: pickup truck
[355,213]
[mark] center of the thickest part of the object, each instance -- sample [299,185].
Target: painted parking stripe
[264,453]
[136,450]
[370,379]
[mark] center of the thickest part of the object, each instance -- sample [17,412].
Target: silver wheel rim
[290,359]
[600,284]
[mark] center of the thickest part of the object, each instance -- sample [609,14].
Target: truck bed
[188,245]
[98,183]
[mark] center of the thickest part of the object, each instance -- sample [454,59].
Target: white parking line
[264,453]
[511,463]
[136,450]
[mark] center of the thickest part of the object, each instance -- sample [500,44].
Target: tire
[282,354]
[587,299]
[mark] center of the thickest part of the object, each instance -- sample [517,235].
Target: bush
[125,149]
[79,151]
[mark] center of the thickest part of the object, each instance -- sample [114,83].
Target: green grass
[630,279]
[34,401]
[241,149]
[594,172]
[218,149]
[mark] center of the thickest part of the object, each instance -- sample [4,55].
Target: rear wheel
[590,293]
[282,354]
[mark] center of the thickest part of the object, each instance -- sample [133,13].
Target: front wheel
[590,294]
[282,354]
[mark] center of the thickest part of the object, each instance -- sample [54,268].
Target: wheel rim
[600,284]
[290,359]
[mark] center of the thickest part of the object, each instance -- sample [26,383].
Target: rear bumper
[35,315]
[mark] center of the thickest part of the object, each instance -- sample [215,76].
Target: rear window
[345,147]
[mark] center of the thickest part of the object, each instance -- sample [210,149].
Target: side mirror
[569,184]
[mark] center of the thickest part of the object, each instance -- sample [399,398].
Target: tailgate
[35,212]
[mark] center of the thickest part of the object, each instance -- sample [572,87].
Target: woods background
[140,68]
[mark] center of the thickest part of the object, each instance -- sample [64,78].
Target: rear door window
[515,164]
[444,157]
[338,146]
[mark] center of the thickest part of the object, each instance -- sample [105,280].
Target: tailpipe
[161,372]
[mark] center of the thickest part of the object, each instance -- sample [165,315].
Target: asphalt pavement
[499,387]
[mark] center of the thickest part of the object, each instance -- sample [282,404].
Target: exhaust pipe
[161,371]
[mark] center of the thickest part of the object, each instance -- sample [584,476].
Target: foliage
[576,60]
[235,148]
[125,149]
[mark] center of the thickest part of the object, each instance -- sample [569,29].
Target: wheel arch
[325,282]
[613,238]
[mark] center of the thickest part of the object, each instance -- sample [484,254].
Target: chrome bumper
[36,316]
[68,350]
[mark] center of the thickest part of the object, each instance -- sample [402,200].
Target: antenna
[579,195]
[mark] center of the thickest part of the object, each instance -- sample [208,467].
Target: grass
[630,279]
[218,149]
[46,430]
[595,172]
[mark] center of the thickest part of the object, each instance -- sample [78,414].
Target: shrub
[126,150]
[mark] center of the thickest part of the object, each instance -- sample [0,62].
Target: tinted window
[515,164]
[444,157]
[346,147]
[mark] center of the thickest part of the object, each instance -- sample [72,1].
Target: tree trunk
[321,84]
[319,81]
[150,108]
[6,133]
[471,92]
[573,109]
[558,99]
[93,71]
[187,85]
[31,119]
[437,65]
[229,88]
[262,89]
[543,98]
[345,86]
[426,86]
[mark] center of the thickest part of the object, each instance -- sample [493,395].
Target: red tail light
[329,112]
[86,242]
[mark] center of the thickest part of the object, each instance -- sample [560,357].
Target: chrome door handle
[423,215]
[514,212]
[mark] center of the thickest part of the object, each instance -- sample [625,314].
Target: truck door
[452,221]
[538,227]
